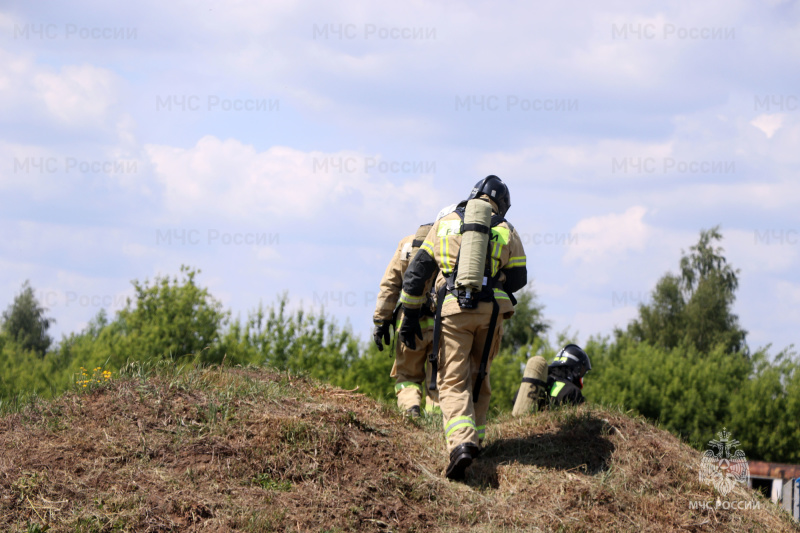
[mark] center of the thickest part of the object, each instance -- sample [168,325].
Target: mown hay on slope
[253,450]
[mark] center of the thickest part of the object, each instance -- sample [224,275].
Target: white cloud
[687,100]
[16,72]
[608,235]
[231,178]
[769,124]
[77,97]
[77,94]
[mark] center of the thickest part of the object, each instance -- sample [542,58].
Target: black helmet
[574,358]
[494,188]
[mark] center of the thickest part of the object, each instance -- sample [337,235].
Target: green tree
[299,341]
[25,323]
[764,408]
[527,324]
[23,371]
[695,307]
[689,393]
[171,318]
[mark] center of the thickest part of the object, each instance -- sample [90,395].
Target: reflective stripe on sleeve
[497,250]
[406,298]
[516,262]
[444,250]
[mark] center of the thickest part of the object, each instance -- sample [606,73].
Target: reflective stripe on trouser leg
[405,385]
[409,394]
[464,335]
[481,432]
[409,367]
[458,423]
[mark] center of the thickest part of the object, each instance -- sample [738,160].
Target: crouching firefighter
[558,384]
[481,262]
[409,369]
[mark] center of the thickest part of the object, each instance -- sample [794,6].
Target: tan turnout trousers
[412,372]
[464,335]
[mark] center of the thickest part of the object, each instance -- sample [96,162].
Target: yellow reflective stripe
[481,431]
[557,388]
[516,262]
[407,384]
[444,248]
[501,234]
[428,247]
[497,249]
[449,297]
[426,323]
[457,422]
[501,295]
[406,298]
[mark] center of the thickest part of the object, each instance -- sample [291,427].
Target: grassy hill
[237,449]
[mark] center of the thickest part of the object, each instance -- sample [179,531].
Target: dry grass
[252,450]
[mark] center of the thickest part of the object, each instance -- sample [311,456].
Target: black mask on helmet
[494,188]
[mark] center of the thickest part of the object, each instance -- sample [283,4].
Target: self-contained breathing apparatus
[533,388]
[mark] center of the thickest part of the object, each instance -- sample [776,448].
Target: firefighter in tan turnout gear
[481,263]
[409,368]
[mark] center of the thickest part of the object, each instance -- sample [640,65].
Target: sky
[286,147]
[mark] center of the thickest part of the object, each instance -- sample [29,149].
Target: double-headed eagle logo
[723,467]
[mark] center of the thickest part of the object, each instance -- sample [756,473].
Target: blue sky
[288,146]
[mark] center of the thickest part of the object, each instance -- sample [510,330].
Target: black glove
[381,334]
[410,328]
